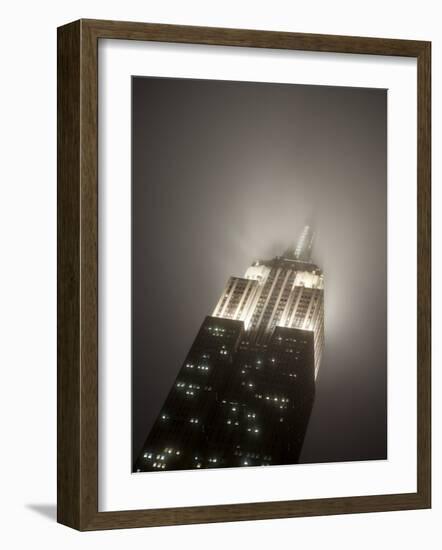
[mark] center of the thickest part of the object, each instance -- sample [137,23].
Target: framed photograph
[243,275]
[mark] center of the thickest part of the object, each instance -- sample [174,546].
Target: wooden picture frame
[77,460]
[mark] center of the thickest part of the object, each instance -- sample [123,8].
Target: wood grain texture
[68,276]
[77,217]
[424,275]
[253,38]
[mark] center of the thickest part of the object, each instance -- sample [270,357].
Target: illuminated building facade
[245,392]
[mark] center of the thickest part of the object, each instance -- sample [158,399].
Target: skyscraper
[244,395]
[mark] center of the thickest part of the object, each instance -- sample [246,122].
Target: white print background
[28,276]
[119,489]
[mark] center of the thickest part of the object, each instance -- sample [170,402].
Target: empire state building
[245,392]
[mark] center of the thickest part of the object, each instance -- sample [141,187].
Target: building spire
[304,245]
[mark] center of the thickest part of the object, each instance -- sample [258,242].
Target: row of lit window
[282,399]
[236,423]
[273,399]
[169,451]
[216,330]
[199,367]
[218,334]
[190,386]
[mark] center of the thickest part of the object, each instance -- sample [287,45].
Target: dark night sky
[228,172]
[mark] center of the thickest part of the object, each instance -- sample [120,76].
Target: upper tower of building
[286,291]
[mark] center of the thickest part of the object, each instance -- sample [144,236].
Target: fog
[225,173]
